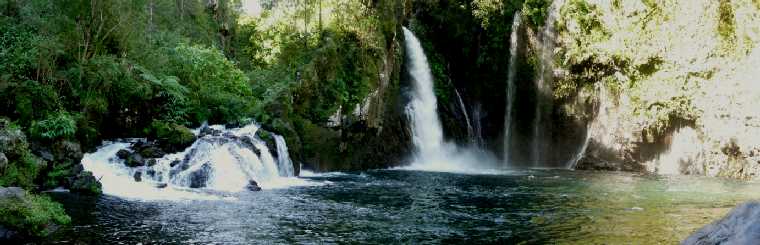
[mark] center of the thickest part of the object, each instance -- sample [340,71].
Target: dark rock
[740,226]
[85,183]
[123,154]
[3,161]
[138,176]
[253,186]
[7,235]
[199,178]
[152,162]
[174,163]
[209,131]
[151,151]
[151,172]
[45,155]
[161,185]
[67,152]
[135,160]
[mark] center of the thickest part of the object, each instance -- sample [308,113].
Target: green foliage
[23,167]
[220,91]
[56,126]
[176,136]
[536,11]
[32,214]
[727,23]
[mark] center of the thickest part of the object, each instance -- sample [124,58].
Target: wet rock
[151,162]
[161,185]
[740,226]
[199,178]
[209,131]
[135,160]
[151,172]
[138,176]
[85,183]
[123,154]
[174,163]
[253,186]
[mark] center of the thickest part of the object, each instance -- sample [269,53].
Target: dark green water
[393,206]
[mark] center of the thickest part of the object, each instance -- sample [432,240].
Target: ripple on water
[413,207]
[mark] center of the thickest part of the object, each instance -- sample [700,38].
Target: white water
[512,73]
[684,148]
[228,159]
[431,152]
[427,134]
[283,157]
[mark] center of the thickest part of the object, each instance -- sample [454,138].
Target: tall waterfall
[225,161]
[431,152]
[512,73]
[427,134]
[544,84]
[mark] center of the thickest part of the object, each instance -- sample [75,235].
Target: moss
[172,137]
[727,23]
[32,214]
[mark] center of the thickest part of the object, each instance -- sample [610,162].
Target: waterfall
[470,131]
[512,73]
[431,152]
[477,126]
[283,157]
[427,134]
[225,161]
[544,83]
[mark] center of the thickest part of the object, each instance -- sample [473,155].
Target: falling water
[431,152]
[544,83]
[477,118]
[422,109]
[226,161]
[283,157]
[470,131]
[513,42]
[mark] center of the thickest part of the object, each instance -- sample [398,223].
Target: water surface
[397,206]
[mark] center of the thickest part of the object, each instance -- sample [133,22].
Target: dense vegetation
[76,72]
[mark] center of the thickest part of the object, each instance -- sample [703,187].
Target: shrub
[55,126]
[32,213]
[172,137]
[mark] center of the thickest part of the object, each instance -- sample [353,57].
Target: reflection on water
[410,207]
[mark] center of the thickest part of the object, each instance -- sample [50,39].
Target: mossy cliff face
[673,85]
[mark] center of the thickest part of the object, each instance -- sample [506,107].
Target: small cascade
[470,131]
[513,42]
[684,149]
[221,160]
[477,117]
[431,152]
[283,157]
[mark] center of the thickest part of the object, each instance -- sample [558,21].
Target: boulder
[123,154]
[85,183]
[67,152]
[253,186]
[740,226]
[135,160]
[3,161]
[199,178]
[138,176]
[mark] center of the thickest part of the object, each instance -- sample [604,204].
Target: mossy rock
[170,136]
[30,215]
